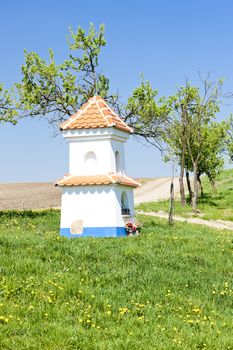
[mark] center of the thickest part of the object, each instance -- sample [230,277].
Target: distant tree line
[183,126]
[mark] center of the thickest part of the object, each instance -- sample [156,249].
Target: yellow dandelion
[4,319]
[190,321]
[197,310]
[140,318]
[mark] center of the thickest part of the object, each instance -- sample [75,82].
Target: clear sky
[167,40]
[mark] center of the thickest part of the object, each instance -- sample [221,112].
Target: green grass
[169,288]
[215,206]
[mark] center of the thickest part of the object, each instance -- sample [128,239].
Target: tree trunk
[181,178]
[195,186]
[213,185]
[212,182]
[171,206]
[200,184]
[189,187]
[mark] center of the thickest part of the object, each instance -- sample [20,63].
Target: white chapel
[97,196]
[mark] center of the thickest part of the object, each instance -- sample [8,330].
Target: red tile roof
[90,180]
[95,113]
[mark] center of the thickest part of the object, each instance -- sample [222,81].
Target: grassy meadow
[214,205]
[169,288]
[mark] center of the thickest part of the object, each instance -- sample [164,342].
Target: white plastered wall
[103,142]
[98,206]
[79,150]
[117,146]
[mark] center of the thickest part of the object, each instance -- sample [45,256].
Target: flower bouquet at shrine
[132,228]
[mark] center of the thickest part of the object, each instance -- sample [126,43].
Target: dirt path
[155,189]
[218,224]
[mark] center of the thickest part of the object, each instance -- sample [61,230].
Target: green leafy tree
[211,160]
[58,90]
[183,122]
[190,132]
[176,135]
[8,112]
[229,138]
[202,112]
[148,114]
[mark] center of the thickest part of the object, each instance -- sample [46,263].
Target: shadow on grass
[26,213]
[210,200]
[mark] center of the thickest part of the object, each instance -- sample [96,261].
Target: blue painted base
[95,232]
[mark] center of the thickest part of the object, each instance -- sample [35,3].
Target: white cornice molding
[95,134]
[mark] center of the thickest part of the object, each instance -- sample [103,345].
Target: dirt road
[155,189]
[46,195]
[218,224]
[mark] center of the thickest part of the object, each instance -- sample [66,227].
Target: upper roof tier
[95,113]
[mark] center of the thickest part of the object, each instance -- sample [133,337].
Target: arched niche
[90,157]
[90,161]
[124,204]
[117,162]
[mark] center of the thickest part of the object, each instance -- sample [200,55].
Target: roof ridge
[115,114]
[80,111]
[109,177]
[130,178]
[118,117]
[107,107]
[64,179]
[100,109]
[93,114]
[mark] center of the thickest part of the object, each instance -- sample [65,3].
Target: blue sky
[166,40]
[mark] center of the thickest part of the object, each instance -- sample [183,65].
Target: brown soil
[46,195]
[29,196]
